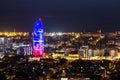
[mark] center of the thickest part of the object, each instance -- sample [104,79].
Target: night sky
[60,15]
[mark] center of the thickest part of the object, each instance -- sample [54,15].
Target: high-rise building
[38,39]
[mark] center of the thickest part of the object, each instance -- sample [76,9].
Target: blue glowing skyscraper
[38,39]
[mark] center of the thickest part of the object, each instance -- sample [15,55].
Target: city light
[59,33]
[14,34]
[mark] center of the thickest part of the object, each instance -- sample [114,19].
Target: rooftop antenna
[14,30]
[84,30]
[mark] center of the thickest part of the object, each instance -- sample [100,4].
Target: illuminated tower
[38,39]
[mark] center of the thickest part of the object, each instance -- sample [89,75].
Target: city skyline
[60,15]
